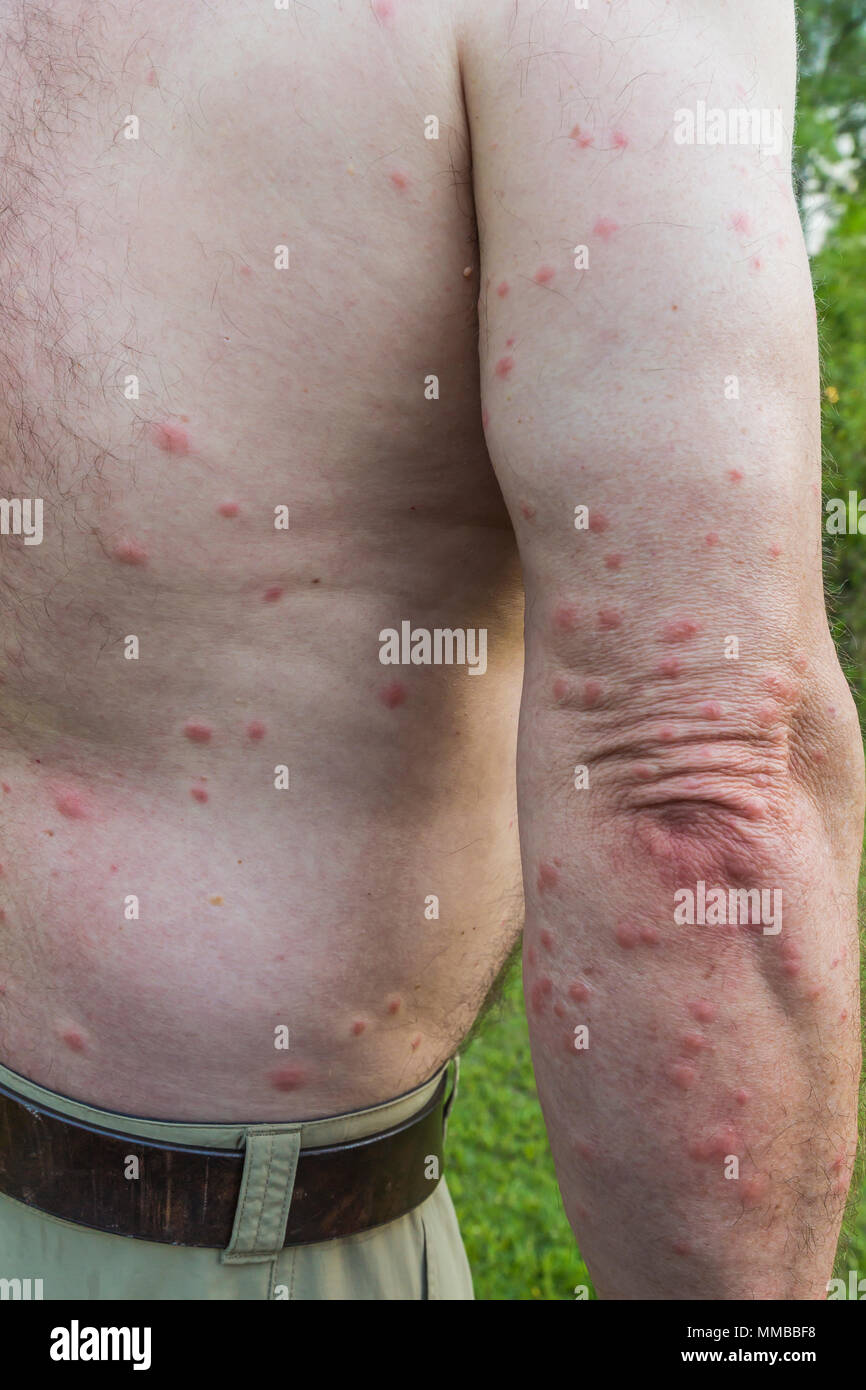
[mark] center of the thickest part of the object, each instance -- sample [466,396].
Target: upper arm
[670,387]
[667,377]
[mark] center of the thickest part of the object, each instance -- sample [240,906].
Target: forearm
[703,1126]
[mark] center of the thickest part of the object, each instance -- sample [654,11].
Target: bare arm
[677,648]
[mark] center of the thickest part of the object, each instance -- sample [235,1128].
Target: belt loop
[265,1198]
[452,1094]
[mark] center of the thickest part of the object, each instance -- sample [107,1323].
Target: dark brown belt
[188,1196]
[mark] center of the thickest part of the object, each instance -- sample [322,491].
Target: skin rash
[298,903]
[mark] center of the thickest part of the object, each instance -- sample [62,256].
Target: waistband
[248,1190]
[314,1134]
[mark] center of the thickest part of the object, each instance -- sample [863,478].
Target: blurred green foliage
[830,167]
[831,110]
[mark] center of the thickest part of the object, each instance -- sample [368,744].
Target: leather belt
[76,1172]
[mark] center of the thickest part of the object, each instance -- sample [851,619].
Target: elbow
[722,782]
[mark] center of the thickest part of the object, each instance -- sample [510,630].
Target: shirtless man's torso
[261,390]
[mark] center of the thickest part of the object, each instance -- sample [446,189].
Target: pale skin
[607,387]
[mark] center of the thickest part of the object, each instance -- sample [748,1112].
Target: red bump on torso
[171,439]
[605,228]
[130,553]
[702,1010]
[393,695]
[684,1077]
[198,733]
[287,1078]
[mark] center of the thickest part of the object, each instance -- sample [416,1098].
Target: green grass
[500,1172]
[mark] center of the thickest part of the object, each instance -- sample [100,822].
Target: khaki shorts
[419,1256]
